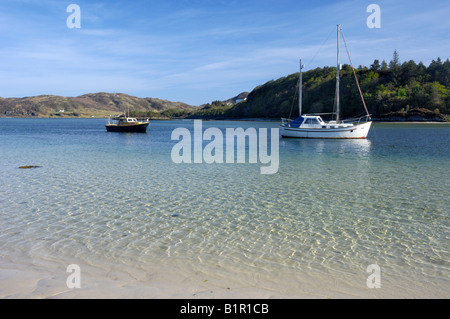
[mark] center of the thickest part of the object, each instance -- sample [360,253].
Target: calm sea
[119,204]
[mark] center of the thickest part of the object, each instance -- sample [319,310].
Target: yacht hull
[351,132]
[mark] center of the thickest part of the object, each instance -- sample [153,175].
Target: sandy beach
[36,282]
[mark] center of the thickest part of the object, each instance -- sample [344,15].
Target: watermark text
[374,19]
[74,279]
[230,149]
[73,20]
[374,279]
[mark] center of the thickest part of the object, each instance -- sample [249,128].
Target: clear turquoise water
[118,203]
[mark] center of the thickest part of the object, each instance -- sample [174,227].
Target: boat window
[311,121]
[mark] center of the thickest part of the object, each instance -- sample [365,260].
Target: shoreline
[21,281]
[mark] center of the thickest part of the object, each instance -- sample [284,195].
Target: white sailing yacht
[313,126]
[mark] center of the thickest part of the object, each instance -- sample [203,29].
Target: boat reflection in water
[123,123]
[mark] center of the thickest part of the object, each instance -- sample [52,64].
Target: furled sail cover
[297,122]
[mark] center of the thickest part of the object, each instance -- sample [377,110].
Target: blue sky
[197,51]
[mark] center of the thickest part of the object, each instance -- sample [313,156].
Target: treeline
[387,88]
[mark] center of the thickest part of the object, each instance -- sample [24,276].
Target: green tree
[394,67]
[395,62]
[437,96]
[375,66]
[408,72]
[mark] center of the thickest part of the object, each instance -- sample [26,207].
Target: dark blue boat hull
[136,128]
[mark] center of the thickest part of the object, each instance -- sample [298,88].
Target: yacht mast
[337,76]
[300,91]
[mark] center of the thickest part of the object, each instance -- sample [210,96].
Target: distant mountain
[87,105]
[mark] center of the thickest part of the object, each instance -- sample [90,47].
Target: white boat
[313,126]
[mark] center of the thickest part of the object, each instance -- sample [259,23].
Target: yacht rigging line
[356,78]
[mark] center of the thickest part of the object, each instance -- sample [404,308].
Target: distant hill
[237,99]
[388,91]
[87,105]
[397,91]
[218,109]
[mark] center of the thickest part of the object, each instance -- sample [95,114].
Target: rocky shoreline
[414,115]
